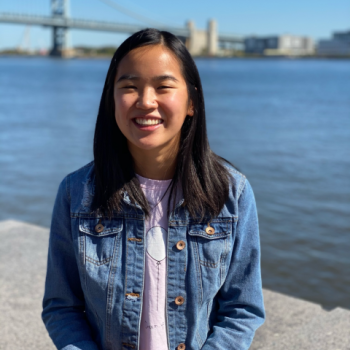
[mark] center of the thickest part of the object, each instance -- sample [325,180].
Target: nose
[147,99]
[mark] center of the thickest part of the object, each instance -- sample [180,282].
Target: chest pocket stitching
[111,227]
[223,228]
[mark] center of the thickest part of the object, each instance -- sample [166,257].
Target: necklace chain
[161,198]
[156,205]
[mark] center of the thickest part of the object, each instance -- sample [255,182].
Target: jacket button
[179,300]
[99,228]
[181,346]
[210,230]
[180,245]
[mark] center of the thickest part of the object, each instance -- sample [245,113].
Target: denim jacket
[95,273]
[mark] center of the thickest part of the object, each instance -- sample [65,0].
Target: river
[284,123]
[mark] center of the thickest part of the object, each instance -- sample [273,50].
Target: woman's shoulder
[240,193]
[237,180]
[83,172]
[80,187]
[81,176]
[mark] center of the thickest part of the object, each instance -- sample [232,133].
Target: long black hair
[201,173]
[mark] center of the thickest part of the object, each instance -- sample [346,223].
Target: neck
[155,164]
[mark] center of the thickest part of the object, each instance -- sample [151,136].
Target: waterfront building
[283,45]
[203,42]
[339,45]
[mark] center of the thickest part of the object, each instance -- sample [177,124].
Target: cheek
[122,108]
[121,103]
[120,112]
[176,104]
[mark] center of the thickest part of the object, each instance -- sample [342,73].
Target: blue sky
[317,19]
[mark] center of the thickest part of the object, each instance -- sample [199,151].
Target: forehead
[150,61]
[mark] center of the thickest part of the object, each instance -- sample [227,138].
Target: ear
[190,109]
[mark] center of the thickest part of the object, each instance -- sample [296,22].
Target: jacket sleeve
[241,306]
[63,303]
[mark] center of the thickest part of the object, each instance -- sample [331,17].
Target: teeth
[143,121]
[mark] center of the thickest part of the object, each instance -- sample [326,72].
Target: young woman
[155,244]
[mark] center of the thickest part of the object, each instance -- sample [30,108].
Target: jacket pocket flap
[222,228]
[100,227]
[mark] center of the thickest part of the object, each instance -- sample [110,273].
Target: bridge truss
[60,22]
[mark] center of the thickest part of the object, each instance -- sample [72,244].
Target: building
[339,45]
[283,45]
[203,42]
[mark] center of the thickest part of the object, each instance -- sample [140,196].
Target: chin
[146,146]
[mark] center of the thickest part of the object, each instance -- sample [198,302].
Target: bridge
[197,41]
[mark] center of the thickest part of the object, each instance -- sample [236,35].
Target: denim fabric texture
[94,282]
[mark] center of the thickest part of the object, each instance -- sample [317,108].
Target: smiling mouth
[147,122]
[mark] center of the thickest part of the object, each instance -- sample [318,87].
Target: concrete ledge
[23,253]
[291,324]
[295,324]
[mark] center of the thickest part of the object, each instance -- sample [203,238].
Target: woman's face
[151,99]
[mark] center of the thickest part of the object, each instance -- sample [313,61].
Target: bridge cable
[131,13]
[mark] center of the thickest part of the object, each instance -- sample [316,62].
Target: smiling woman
[151,104]
[154,244]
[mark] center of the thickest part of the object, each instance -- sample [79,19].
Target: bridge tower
[203,42]
[59,8]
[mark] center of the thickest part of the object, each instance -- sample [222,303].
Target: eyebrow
[165,77]
[156,78]
[128,77]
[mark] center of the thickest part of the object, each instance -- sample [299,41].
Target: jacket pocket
[99,239]
[211,240]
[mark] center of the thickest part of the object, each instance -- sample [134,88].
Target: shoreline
[248,57]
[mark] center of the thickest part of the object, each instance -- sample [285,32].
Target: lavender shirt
[153,322]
